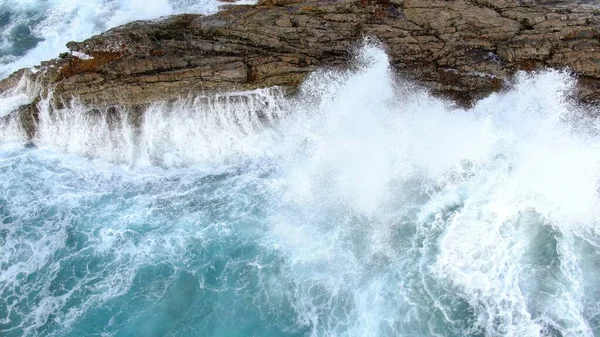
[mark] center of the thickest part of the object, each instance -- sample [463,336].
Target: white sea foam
[391,212]
[485,185]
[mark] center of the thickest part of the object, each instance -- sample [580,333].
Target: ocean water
[363,207]
[32,31]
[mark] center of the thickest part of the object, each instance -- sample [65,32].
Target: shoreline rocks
[461,49]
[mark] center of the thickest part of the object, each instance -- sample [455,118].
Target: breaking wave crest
[363,207]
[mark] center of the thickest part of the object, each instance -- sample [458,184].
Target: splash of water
[224,128]
[363,207]
[504,194]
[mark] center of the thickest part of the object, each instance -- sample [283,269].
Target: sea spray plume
[348,125]
[330,219]
[404,215]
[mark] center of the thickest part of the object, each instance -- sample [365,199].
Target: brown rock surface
[459,48]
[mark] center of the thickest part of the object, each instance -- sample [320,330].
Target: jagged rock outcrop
[459,48]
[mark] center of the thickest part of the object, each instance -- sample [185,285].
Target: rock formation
[461,49]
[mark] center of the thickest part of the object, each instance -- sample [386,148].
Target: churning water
[364,207]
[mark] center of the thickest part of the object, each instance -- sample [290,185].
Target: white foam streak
[11,130]
[215,130]
[220,129]
[15,97]
[350,122]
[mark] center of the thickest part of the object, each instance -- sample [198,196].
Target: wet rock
[29,117]
[462,49]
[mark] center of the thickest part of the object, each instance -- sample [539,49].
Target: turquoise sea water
[364,207]
[94,249]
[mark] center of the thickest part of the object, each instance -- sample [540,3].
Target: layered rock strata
[462,49]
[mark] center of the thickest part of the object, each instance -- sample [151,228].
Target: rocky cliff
[462,49]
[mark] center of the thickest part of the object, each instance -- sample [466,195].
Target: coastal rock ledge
[461,49]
